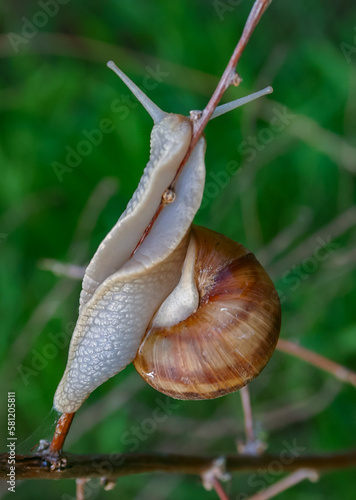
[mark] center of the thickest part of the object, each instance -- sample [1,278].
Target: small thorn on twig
[235,79]
[252,448]
[195,118]
[107,484]
[57,463]
[195,115]
[43,446]
[217,470]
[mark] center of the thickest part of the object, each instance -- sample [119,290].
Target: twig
[62,269]
[286,483]
[63,288]
[228,78]
[246,406]
[80,482]
[311,357]
[252,446]
[62,428]
[117,465]
[220,490]
[212,476]
[337,148]
[323,238]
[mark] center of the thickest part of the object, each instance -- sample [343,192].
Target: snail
[194,311]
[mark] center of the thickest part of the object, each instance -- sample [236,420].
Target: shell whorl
[229,339]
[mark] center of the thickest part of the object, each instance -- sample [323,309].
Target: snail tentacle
[153,110]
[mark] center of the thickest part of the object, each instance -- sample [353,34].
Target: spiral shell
[229,338]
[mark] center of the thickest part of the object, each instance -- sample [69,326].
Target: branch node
[217,470]
[312,475]
[57,463]
[253,448]
[43,446]
[235,79]
[195,115]
[107,484]
[55,460]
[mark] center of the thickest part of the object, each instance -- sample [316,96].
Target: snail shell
[177,277]
[228,339]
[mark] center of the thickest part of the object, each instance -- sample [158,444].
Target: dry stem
[286,483]
[339,371]
[117,465]
[228,78]
[61,432]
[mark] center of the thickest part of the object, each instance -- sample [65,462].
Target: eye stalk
[153,110]
[225,108]
[157,114]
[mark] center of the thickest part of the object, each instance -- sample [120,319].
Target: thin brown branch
[219,490]
[228,78]
[286,483]
[62,268]
[80,483]
[246,406]
[61,432]
[252,446]
[117,465]
[339,371]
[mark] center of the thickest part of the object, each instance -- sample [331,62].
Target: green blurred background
[293,191]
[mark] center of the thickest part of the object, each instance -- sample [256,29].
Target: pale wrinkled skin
[121,294]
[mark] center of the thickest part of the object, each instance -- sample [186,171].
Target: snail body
[194,310]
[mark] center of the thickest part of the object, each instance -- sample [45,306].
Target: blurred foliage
[290,188]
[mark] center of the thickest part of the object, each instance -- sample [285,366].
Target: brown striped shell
[229,339]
